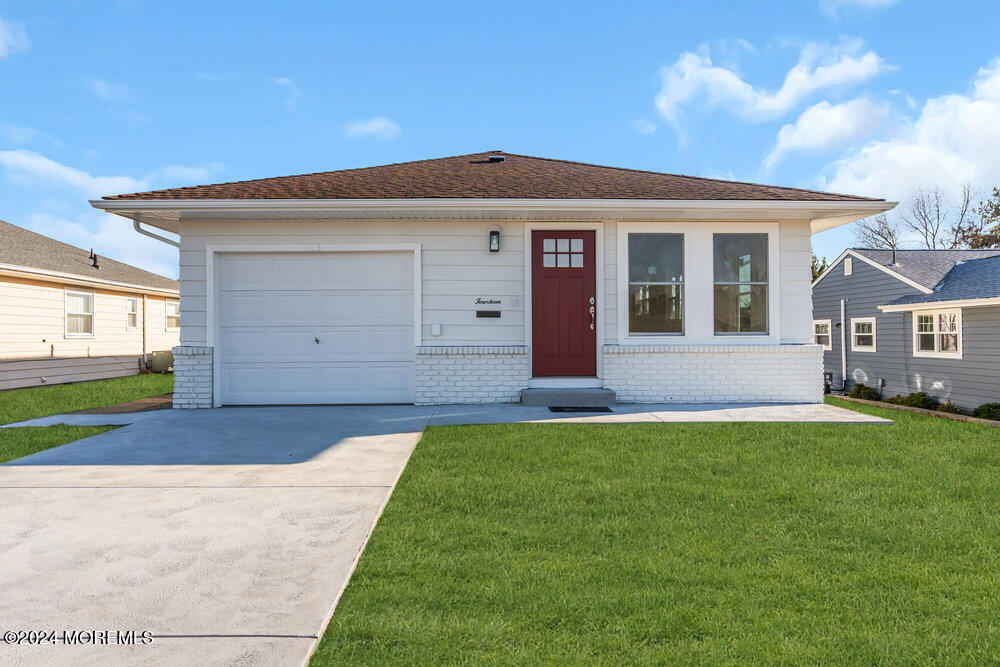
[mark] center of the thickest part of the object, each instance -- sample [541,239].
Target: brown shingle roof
[475,176]
[20,247]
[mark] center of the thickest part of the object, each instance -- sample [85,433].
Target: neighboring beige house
[468,279]
[62,319]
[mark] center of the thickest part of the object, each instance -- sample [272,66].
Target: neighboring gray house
[913,320]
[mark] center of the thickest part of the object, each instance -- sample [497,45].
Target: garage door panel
[272,310]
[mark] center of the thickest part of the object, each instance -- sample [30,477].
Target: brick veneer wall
[192,376]
[714,373]
[470,374]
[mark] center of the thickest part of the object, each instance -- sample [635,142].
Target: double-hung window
[739,264]
[131,313]
[656,284]
[822,333]
[937,334]
[79,314]
[863,334]
[173,315]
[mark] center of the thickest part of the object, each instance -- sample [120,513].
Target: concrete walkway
[229,534]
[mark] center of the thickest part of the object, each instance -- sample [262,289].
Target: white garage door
[315,327]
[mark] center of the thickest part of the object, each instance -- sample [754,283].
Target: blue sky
[873,97]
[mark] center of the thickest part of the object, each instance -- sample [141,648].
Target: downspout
[843,344]
[145,326]
[136,227]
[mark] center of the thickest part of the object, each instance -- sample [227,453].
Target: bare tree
[928,214]
[878,231]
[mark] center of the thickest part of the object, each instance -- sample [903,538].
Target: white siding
[457,267]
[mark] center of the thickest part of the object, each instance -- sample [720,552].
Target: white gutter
[484,204]
[56,276]
[937,305]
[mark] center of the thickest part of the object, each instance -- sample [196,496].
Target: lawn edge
[920,411]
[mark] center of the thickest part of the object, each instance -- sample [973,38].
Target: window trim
[698,282]
[864,348]
[166,317]
[768,316]
[129,300]
[66,313]
[682,283]
[829,334]
[848,266]
[937,354]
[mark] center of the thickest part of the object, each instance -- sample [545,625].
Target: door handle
[592,315]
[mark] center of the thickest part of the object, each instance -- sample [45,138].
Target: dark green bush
[987,411]
[919,399]
[948,406]
[863,392]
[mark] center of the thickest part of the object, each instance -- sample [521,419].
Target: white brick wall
[470,374]
[192,376]
[714,373]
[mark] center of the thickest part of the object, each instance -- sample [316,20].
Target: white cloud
[832,7]
[108,91]
[294,93]
[695,79]
[110,236]
[643,126]
[29,166]
[824,126]
[13,38]
[954,140]
[34,168]
[379,127]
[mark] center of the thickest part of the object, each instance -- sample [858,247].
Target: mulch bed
[921,411]
[161,402]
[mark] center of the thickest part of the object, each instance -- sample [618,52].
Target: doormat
[594,408]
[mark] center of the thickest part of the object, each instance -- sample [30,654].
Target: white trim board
[699,282]
[850,252]
[73,279]
[939,305]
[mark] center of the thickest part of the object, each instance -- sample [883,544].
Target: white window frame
[699,282]
[848,266]
[829,334]
[681,283]
[92,313]
[937,354]
[166,315]
[129,310]
[864,348]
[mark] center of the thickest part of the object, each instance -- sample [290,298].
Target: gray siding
[968,382]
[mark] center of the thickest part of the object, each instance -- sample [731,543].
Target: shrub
[864,392]
[987,411]
[919,399]
[948,406]
[895,400]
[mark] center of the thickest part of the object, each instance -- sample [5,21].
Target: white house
[467,279]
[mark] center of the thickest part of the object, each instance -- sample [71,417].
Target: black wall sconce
[494,240]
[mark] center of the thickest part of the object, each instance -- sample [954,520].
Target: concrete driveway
[228,534]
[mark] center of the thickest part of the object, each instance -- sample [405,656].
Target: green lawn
[21,404]
[684,543]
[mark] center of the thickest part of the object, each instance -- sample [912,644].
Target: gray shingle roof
[20,247]
[926,267]
[972,279]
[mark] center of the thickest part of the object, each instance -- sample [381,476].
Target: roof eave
[824,214]
[937,305]
[46,275]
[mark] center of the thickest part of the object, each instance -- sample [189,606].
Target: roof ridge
[697,178]
[500,152]
[314,173]
[996,250]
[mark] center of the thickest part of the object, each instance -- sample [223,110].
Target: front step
[568,397]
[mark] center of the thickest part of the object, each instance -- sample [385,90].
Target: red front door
[563,303]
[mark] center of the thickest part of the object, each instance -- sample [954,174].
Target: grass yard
[684,543]
[21,404]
